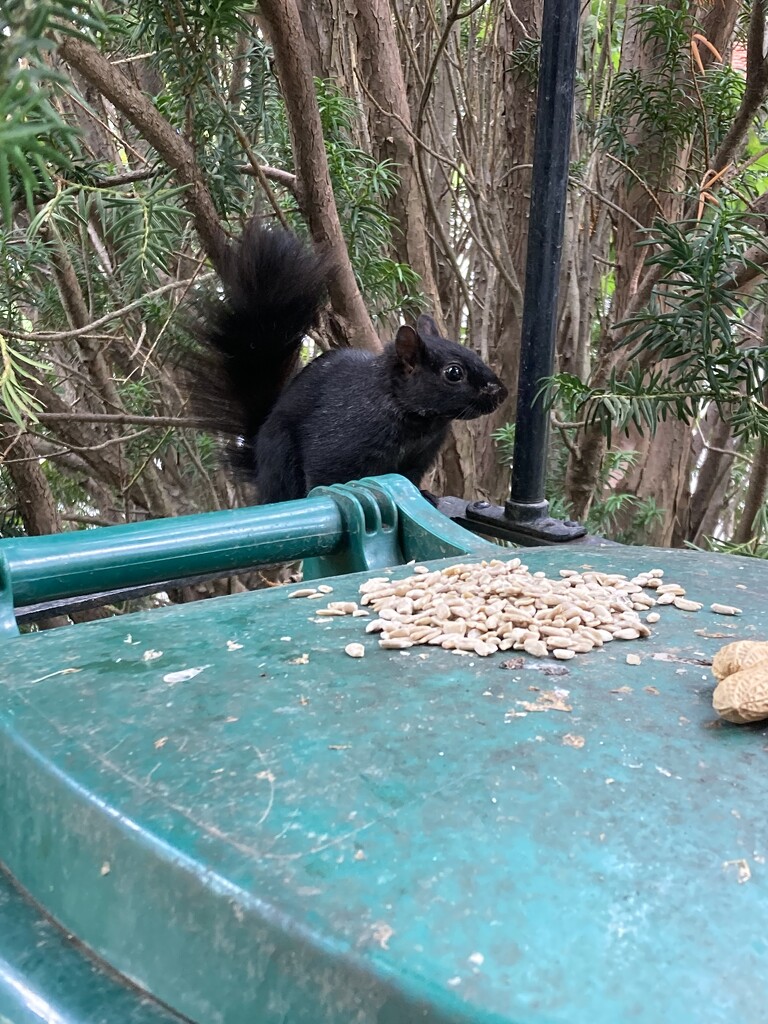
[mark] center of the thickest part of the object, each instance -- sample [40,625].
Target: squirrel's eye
[453,373]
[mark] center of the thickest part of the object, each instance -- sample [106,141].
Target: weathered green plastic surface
[292,836]
[44,976]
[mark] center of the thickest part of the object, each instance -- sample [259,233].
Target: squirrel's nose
[495,389]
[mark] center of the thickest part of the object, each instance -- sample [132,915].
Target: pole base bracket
[522,523]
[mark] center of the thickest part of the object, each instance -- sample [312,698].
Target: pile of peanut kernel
[485,607]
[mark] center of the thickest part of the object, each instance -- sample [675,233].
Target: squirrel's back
[273,287]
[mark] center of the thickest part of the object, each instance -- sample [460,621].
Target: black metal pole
[557,71]
[524,518]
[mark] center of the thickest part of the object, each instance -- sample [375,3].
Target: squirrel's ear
[408,346]
[426,327]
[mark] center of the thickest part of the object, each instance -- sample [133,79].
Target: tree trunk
[755,496]
[662,473]
[712,478]
[316,193]
[392,135]
[652,187]
[37,506]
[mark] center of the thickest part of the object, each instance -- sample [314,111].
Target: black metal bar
[551,155]
[526,510]
[63,606]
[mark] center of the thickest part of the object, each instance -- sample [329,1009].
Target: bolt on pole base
[527,518]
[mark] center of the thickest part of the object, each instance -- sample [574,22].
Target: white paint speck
[184,675]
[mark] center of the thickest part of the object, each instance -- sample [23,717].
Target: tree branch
[755,92]
[316,191]
[73,449]
[116,314]
[379,73]
[418,124]
[74,304]
[276,174]
[171,146]
[116,180]
[124,418]
[257,170]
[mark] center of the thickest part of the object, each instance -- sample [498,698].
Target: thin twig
[702,108]
[426,186]
[572,448]
[721,451]
[259,173]
[116,314]
[276,174]
[124,418]
[74,448]
[116,180]
[639,180]
[440,157]
[87,520]
[754,93]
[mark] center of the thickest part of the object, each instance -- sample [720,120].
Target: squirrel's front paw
[431,498]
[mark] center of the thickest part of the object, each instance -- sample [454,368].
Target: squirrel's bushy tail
[274,285]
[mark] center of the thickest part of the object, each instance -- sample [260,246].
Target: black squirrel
[348,413]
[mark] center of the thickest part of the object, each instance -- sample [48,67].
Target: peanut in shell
[737,656]
[742,697]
